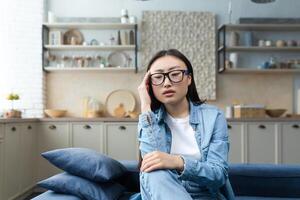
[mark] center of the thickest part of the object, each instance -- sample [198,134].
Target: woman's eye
[175,74]
[157,76]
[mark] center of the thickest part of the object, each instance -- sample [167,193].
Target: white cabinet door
[290,142]
[88,135]
[262,146]
[12,167]
[236,142]
[121,141]
[28,155]
[1,160]
[50,136]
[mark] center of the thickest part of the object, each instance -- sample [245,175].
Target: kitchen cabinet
[19,159]
[28,155]
[88,135]
[1,160]
[50,136]
[121,140]
[93,30]
[237,142]
[12,167]
[262,146]
[290,142]
[243,35]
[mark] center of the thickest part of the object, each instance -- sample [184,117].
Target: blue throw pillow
[83,188]
[86,163]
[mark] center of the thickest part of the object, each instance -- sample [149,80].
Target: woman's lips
[169,93]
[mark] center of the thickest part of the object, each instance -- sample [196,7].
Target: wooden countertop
[111,119]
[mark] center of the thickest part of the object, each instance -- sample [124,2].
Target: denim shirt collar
[195,115]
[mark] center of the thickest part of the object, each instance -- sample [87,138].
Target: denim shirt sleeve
[213,170]
[147,126]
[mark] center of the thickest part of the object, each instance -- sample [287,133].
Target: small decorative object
[85,43]
[119,38]
[131,37]
[228,64]
[75,35]
[124,16]
[291,43]
[233,57]
[13,113]
[65,60]
[51,17]
[112,40]
[268,43]
[229,112]
[55,38]
[275,112]
[132,114]
[272,63]
[94,42]
[124,37]
[132,19]
[234,39]
[248,39]
[280,43]
[54,113]
[119,111]
[261,43]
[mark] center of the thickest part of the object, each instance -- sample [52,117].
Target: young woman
[183,142]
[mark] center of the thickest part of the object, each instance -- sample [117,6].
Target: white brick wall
[20,55]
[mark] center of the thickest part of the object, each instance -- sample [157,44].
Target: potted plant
[13,113]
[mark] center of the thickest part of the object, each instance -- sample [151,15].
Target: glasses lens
[157,79]
[176,76]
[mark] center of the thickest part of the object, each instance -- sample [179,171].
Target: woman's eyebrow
[169,69]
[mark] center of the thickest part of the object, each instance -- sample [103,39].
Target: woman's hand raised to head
[160,160]
[143,90]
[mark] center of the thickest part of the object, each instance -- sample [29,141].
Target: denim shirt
[211,134]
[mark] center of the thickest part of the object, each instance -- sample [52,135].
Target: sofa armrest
[272,180]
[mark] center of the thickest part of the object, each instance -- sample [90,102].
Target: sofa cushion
[266,180]
[86,163]
[83,188]
[263,198]
[51,195]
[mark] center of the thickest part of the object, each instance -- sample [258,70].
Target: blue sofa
[249,181]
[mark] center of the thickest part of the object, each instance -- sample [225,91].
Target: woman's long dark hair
[192,94]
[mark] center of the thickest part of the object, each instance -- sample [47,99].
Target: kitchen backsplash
[66,90]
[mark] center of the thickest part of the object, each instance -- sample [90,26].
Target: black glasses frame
[184,72]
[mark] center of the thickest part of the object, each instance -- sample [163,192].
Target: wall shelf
[91,25]
[254,48]
[81,47]
[260,27]
[260,71]
[89,69]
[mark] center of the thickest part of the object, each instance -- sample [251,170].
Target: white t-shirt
[183,137]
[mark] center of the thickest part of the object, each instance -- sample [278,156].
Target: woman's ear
[189,79]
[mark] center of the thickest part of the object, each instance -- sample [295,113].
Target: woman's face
[174,90]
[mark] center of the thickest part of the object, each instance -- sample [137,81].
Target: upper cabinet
[89,46]
[258,48]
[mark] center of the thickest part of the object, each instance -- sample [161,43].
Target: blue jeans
[165,184]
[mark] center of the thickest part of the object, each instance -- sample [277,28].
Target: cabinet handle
[87,126]
[295,126]
[261,126]
[29,127]
[122,128]
[13,128]
[229,127]
[52,127]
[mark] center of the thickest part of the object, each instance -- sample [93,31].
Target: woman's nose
[167,81]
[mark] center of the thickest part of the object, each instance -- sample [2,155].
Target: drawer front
[261,143]
[236,150]
[290,142]
[88,135]
[121,141]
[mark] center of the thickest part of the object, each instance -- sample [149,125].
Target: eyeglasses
[174,76]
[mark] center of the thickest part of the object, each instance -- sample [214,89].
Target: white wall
[112,8]
[20,51]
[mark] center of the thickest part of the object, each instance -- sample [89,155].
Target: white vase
[233,57]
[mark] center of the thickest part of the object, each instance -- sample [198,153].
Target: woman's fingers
[153,167]
[149,164]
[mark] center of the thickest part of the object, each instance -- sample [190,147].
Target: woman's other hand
[143,90]
[160,160]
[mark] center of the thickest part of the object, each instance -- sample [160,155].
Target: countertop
[111,119]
